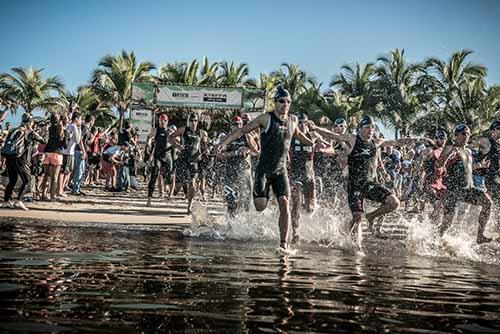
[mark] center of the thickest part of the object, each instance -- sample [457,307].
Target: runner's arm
[330,134]
[260,121]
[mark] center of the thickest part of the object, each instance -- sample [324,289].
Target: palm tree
[208,72]
[452,80]
[113,79]
[26,88]
[89,103]
[398,90]
[234,75]
[356,83]
[292,78]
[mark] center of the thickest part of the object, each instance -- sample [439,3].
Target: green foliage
[409,98]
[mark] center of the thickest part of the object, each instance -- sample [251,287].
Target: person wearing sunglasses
[363,160]
[456,160]
[161,156]
[192,139]
[278,128]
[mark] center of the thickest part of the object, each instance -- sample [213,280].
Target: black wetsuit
[271,170]
[187,162]
[362,181]
[238,177]
[301,165]
[493,175]
[162,158]
[459,188]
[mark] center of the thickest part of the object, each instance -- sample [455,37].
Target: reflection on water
[89,279]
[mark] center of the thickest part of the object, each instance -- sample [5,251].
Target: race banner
[199,97]
[143,120]
[188,96]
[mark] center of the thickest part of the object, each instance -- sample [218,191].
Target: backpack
[14,145]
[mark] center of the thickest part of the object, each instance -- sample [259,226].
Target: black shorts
[94,160]
[370,190]
[263,183]
[474,196]
[68,164]
[185,171]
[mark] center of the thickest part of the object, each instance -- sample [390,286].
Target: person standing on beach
[161,156]
[81,156]
[17,152]
[278,129]
[74,134]
[192,138]
[362,182]
[456,160]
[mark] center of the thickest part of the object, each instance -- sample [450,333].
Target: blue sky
[67,38]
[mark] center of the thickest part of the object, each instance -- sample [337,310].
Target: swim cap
[281,92]
[495,125]
[461,128]
[339,121]
[366,120]
[26,118]
[172,127]
[237,119]
[302,117]
[163,117]
[440,134]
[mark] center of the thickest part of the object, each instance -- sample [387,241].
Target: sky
[68,37]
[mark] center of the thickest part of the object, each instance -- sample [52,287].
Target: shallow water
[131,280]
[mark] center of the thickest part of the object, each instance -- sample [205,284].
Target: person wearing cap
[277,130]
[238,172]
[456,160]
[161,157]
[335,182]
[302,176]
[191,140]
[19,164]
[363,159]
[431,177]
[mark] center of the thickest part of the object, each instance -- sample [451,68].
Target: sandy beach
[99,206]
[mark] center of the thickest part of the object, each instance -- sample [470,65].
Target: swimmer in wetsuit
[456,160]
[363,159]
[277,130]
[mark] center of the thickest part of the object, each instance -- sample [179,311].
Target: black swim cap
[461,128]
[366,120]
[27,117]
[495,125]
[440,134]
[281,92]
[302,117]
[340,120]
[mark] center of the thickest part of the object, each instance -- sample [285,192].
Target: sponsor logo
[209,97]
[180,95]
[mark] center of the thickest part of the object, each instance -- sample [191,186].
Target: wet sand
[100,206]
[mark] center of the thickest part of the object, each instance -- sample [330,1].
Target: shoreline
[102,207]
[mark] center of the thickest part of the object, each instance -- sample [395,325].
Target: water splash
[328,227]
